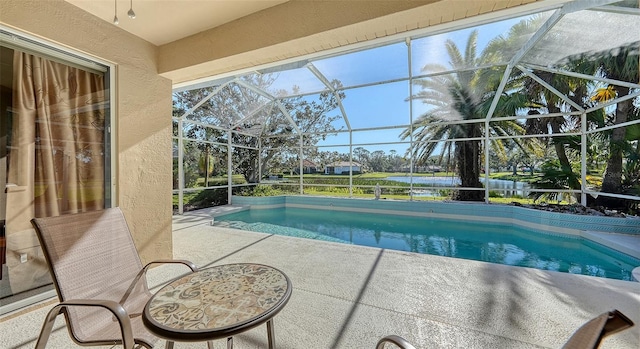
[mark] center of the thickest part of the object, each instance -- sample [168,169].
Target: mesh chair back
[91,255]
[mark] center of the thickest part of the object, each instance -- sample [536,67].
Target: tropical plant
[620,64]
[536,97]
[540,100]
[555,176]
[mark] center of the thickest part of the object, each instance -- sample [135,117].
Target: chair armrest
[397,340]
[114,307]
[143,272]
[174,261]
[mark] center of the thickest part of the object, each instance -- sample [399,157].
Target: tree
[622,65]
[362,156]
[395,161]
[378,161]
[617,64]
[201,137]
[464,95]
[257,121]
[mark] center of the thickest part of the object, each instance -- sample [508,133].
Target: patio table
[218,302]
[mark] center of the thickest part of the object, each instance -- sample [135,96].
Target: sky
[383,105]
[369,103]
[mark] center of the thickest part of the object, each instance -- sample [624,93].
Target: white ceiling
[164,21]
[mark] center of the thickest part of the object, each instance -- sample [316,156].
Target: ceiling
[164,21]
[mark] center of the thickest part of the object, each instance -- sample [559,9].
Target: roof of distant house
[308,163]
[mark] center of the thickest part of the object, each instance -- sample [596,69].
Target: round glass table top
[217,302]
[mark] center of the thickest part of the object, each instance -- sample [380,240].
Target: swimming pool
[482,241]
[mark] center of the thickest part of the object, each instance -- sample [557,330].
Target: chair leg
[169,345]
[271,334]
[47,326]
[209,344]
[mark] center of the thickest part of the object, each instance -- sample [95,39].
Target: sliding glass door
[54,155]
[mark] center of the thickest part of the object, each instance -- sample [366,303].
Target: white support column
[180,168]
[259,159]
[351,164]
[408,42]
[583,159]
[229,168]
[486,161]
[301,164]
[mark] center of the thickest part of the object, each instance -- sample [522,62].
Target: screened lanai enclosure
[540,108]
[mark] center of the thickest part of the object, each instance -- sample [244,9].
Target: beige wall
[301,27]
[143,111]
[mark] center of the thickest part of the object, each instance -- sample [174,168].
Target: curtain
[3,197]
[58,130]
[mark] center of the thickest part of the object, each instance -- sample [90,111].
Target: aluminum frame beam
[550,88]
[540,33]
[326,82]
[274,100]
[205,99]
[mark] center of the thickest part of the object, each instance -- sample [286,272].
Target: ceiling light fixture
[115,12]
[131,14]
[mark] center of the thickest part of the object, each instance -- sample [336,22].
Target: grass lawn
[521,177]
[337,185]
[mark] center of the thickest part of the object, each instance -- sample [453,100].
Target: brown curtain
[58,130]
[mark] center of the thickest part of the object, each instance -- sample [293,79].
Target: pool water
[489,242]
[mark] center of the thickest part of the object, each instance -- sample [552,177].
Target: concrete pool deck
[347,296]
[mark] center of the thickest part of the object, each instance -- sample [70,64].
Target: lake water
[507,188]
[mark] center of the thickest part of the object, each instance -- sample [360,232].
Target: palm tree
[462,95]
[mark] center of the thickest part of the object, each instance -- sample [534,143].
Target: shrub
[494,194]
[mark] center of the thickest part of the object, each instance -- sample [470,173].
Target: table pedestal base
[271,339]
[169,344]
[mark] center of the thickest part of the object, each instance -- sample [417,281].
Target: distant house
[342,167]
[309,167]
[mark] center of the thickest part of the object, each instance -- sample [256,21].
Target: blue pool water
[489,242]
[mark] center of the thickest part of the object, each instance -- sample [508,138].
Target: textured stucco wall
[143,111]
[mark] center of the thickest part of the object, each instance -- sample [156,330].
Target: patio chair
[397,340]
[588,336]
[99,278]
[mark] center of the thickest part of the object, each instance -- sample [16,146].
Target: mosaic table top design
[217,299]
